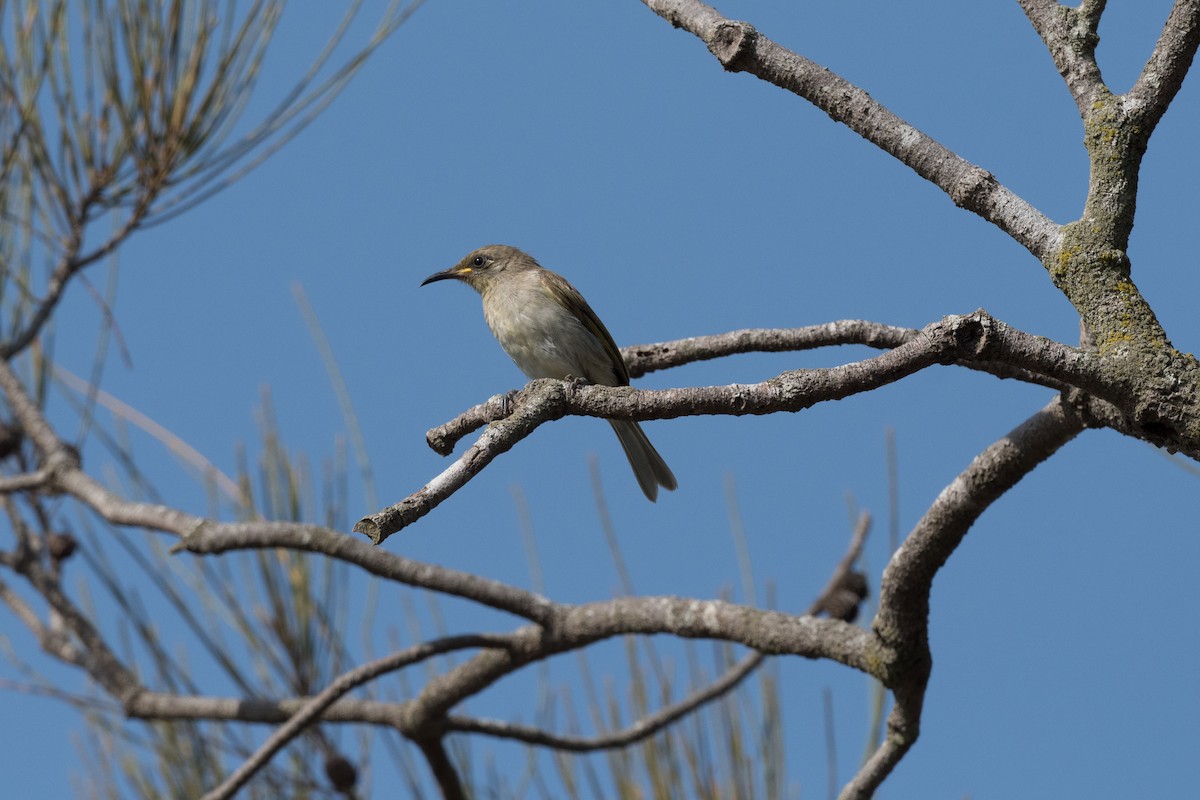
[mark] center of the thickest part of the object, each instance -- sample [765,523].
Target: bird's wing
[575,303]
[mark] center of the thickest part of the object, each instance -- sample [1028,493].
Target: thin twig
[336,689]
[638,731]
[25,482]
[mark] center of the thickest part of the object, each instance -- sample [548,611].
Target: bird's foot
[574,383]
[508,402]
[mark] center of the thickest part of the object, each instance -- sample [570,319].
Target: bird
[550,331]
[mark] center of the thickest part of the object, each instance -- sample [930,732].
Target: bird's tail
[648,465]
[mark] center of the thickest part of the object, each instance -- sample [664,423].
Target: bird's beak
[457,273]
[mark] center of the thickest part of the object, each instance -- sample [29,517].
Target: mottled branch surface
[1170,61]
[1070,36]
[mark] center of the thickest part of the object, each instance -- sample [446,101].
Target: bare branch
[216,538]
[1014,354]
[903,617]
[70,265]
[1091,10]
[740,48]
[975,337]
[201,536]
[165,706]
[344,683]
[582,625]
[150,136]
[872,774]
[579,626]
[1116,133]
[443,769]
[652,723]
[51,641]
[21,483]
[643,728]
[1163,74]
[542,404]
[205,537]
[904,591]
[643,359]
[769,632]
[27,413]
[1070,36]
[94,654]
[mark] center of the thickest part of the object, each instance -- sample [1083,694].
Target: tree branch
[740,48]
[1163,74]
[769,632]
[646,358]
[204,537]
[1007,352]
[1091,10]
[579,625]
[642,729]
[72,263]
[51,641]
[904,591]
[1070,36]
[150,705]
[902,622]
[25,482]
[652,723]
[871,774]
[314,707]
[643,359]
[27,414]
[443,769]
[973,338]
[93,654]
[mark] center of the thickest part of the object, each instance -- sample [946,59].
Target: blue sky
[682,200]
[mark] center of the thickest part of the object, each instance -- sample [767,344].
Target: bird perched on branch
[550,331]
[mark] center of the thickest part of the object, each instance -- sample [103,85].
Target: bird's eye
[477,261]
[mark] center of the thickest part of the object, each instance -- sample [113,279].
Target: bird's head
[480,267]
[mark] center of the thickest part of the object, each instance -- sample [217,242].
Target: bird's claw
[574,383]
[508,402]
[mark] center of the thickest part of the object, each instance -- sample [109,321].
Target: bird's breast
[543,338]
